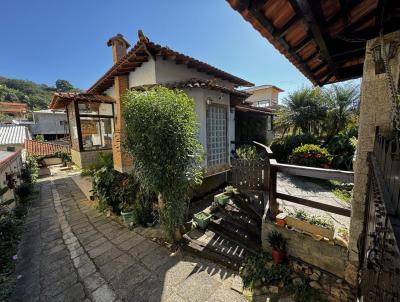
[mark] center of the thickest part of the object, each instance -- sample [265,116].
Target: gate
[380,256]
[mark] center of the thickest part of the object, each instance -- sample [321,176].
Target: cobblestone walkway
[70,252]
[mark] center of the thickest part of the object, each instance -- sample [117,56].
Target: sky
[46,40]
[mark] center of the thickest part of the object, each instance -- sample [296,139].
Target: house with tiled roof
[144,65]
[13,110]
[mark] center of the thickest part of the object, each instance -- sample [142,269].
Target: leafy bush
[103,160]
[143,207]
[167,154]
[311,156]
[23,191]
[106,183]
[64,156]
[256,269]
[342,147]
[30,171]
[247,152]
[283,148]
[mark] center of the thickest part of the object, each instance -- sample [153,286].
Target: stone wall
[324,255]
[375,110]
[322,263]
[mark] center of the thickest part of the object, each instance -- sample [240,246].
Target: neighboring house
[10,169]
[263,96]
[13,110]
[52,124]
[12,137]
[147,64]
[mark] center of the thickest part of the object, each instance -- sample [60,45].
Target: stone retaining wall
[323,263]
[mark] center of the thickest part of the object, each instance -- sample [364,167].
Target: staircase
[233,233]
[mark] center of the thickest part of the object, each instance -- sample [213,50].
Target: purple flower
[15,257]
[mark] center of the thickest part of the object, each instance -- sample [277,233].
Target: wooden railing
[262,175]
[328,174]
[318,173]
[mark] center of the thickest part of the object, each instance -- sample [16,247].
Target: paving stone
[86,269]
[103,294]
[107,256]
[93,281]
[75,293]
[111,269]
[100,249]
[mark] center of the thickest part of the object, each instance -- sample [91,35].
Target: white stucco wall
[143,75]
[200,98]
[264,94]
[169,71]
[110,91]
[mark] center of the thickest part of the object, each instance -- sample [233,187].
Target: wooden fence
[262,175]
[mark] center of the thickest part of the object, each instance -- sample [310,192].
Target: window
[63,123]
[216,135]
[10,149]
[97,125]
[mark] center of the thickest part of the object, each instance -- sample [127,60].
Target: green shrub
[342,147]
[105,185]
[143,212]
[247,152]
[103,160]
[283,148]
[64,156]
[311,156]
[162,137]
[30,171]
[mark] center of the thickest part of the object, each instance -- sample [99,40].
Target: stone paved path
[70,252]
[300,187]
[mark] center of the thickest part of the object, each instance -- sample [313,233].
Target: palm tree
[305,110]
[343,103]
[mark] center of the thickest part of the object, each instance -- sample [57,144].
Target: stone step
[215,247]
[238,208]
[248,205]
[240,221]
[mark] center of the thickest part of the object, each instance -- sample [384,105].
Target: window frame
[95,117]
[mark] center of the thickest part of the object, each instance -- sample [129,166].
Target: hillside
[37,96]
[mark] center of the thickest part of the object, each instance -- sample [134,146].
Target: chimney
[119,47]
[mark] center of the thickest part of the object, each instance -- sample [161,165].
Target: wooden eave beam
[244,4]
[313,16]
[283,31]
[299,47]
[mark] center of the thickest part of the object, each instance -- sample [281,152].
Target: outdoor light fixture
[390,48]
[209,101]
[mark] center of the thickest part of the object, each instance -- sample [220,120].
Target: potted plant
[221,198]
[202,219]
[314,225]
[278,245]
[127,212]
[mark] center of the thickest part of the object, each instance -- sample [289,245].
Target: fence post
[272,204]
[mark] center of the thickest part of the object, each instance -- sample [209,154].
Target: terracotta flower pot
[278,256]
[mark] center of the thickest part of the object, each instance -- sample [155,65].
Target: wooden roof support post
[273,206]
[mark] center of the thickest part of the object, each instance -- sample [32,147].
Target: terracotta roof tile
[62,99]
[140,53]
[197,83]
[44,148]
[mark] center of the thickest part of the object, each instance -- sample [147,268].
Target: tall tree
[343,103]
[64,86]
[305,109]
